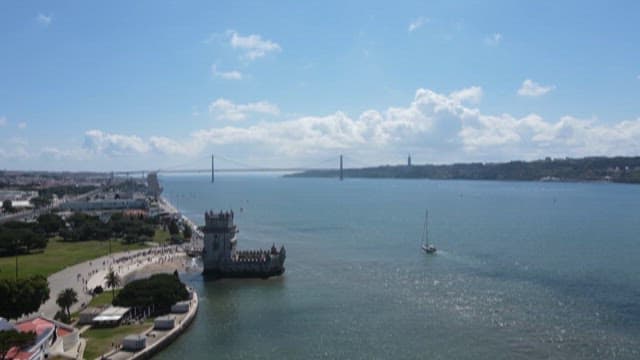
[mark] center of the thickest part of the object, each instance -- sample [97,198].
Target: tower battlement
[221,259]
[222,220]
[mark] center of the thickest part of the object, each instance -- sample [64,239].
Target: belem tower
[222,260]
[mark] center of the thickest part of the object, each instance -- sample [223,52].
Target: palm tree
[66,298]
[113,281]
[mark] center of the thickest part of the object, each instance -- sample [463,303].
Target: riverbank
[197,239]
[156,340]
[85,276]
[589,169]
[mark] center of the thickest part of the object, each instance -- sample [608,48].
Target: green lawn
[161,236]
[99,340]
[103,299]
[59,255]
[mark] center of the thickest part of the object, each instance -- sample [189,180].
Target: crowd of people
[126,263]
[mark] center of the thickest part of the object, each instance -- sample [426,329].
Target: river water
[524,270]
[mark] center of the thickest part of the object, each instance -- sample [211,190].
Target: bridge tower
[409,161]
[341,169]
[213,179]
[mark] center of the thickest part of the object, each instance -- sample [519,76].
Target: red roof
[39,325]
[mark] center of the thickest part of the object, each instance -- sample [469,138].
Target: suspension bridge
[190,168]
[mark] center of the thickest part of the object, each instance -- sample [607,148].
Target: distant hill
[615,169]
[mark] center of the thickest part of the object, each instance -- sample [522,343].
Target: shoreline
[129,265]
[197,237]
[159,339]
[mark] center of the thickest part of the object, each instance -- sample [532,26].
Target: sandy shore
[149,261]
[182,264]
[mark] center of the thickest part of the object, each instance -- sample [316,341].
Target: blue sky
[147,84]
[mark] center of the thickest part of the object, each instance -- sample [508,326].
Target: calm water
[523,270]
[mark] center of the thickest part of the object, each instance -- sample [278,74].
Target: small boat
[426,247]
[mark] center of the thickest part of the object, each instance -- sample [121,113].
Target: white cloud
[471,94]
[227,75]
[532,88]
[55,153]
[493,39]
[101,142]
[417,23]
[17,148]
[224,109]
[43,19]
[3,121]
[253,46]
[22,125]
[167,146]
[435,127]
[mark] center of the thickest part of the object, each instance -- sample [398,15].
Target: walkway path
[86,276]
[159,339]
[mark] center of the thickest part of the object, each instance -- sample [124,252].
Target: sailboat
[426,247]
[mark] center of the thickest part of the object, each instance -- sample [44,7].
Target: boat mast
[426,227]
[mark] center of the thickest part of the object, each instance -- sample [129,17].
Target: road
[32,214]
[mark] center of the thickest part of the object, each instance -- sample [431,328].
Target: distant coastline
[610,169]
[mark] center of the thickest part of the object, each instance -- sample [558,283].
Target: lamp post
[16,244]
[105,217]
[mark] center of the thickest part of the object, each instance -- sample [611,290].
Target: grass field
[103,299]
[59,255]
[99,341]
[161,236]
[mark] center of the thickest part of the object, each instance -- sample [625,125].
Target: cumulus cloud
[227,75]
[471,94]
[493,40]
[224,109]
[532,88]
[43,19]
[3,121]
[22,125]
[436,127]
[417,24]
[17,148]
[252,46]
[101,142]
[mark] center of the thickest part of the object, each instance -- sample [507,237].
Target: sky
[143,85]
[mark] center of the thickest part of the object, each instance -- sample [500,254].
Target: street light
[15,248]
[105,217]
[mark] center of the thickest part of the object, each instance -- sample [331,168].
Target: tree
[159,291]
[40,201]
[66,298]
[14,338]
[19,237]
[23,296]
[50,224]
[173,228]
[7,207]
[113,281]
[187,232]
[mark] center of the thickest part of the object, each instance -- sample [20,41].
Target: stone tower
[221,259]
[219,240]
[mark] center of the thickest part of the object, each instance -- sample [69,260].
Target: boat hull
[429,249]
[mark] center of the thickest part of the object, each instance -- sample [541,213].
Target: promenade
[159,339]
[84,277]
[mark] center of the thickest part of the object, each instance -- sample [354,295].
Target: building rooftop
[112,313]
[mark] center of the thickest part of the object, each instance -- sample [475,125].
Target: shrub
[159,292]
